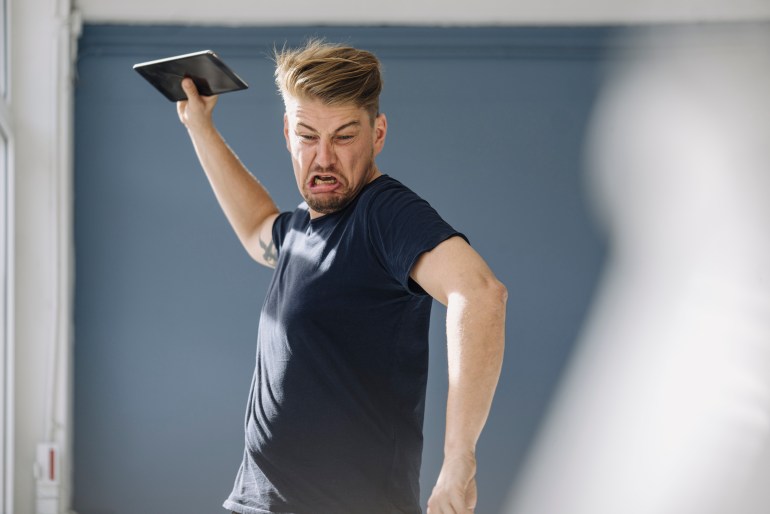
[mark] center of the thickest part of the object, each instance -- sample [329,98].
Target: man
[335,411]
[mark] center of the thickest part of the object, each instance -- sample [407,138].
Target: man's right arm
[246,204]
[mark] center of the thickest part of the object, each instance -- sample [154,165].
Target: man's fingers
[200,102]
[180,108]
[189,88]
[196,110]
[471,496]
[443,508]
[448,503]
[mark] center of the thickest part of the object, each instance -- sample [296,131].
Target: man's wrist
[459,451]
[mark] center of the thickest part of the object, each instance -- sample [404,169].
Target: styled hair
[331,73]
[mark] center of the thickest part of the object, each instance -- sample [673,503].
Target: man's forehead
[312,110]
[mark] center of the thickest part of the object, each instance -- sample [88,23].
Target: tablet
[209,73]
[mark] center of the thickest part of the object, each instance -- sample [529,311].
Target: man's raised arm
[247,204]
[454,274]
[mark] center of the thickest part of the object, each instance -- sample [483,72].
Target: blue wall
[486,124]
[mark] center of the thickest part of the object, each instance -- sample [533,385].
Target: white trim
[423,12]
[59,425]
[10,339]
[44,34]
[8,247]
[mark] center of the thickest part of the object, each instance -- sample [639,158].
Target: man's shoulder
[391,206]
[387,193]
[386,183]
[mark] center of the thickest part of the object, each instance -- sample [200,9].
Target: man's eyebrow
[300,124]
[341,127]
[354,123]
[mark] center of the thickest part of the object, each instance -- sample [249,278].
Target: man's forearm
[243,199]
[475,342]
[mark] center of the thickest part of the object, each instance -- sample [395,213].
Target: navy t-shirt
[335,412]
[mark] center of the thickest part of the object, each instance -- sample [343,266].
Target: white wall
[427,12]
[40,113]
[40,110]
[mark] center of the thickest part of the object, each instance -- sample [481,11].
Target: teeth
[324,180]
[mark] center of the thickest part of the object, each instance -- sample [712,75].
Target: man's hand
[195,112]
[455,490]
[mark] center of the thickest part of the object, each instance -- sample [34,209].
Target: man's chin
[327,205]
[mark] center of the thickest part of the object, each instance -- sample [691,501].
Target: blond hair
[331,73]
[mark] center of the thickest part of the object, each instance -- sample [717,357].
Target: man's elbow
[485,292]
[493,294]
[492,299]
[499,292]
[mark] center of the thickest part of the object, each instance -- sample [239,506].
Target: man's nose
[325,156]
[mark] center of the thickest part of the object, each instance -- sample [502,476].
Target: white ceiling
[420,12]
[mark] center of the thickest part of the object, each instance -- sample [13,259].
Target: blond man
[335,412]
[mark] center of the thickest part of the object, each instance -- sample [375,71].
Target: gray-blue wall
[486,124]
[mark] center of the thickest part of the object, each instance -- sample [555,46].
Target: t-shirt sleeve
[403,226]
[281,227]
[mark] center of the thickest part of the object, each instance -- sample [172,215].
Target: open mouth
[323,180]
[323,183]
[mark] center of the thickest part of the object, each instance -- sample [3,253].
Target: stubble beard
[334,203]
[330,203]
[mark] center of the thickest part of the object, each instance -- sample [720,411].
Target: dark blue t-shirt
[335,412]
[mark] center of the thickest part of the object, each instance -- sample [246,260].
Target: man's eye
[307,137]
[344,138]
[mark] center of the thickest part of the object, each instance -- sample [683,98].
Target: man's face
[332,150]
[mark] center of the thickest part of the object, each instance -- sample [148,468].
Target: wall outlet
[47,471]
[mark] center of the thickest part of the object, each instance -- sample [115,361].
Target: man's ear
[286,131]
[380,131]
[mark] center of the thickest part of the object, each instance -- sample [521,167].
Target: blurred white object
[665,407]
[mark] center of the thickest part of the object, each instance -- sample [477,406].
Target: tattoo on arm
[270,255]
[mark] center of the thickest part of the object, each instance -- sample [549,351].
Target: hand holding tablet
[209,73]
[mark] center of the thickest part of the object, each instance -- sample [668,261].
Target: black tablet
[210,75]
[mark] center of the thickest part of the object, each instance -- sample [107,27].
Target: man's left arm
[455,275]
